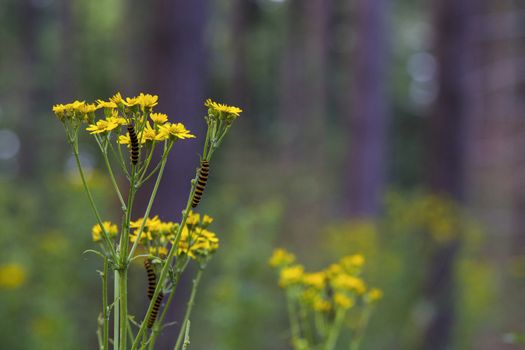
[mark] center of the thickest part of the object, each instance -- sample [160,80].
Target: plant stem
[74,144]
[158,325]
[116,315]
[105,311]
[123,308]
[114,182]
[151,199]
[189,308]
[124,262]
[359,332]
[335,329]
[186,336]
[292,315]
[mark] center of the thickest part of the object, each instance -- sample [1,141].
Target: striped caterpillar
[134,144]
[201,183]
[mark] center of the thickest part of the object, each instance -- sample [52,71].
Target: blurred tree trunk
[303,102]
[29,19]
[366,166]
[245,13]
[303,113]
[445,157]
[173,65]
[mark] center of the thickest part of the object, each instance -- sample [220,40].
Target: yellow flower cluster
[439,216]
[110,228]
[119,111]
[221,111]
[12,276]
[338,286]
[196,240]
[281,257]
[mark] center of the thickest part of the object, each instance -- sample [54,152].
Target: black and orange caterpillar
[155,311]
[152,281]
[133,143]
[201,183]
[152,278]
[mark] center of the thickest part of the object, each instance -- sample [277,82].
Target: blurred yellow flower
[316,279]
[12,276]
[349,283]
[343,301]
[281,257]
[373,295]
[110,228]
[291,275]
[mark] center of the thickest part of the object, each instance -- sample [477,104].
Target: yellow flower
[142,100]
[343,301]
[349,283]
[117,120]
[102,126]
[148,134]
[356,260]
[373,295]
[222,108]
[193,218]
[322,305]
[158,251]
[159,118]
[110,228]
[177,131]
[291,275]
[123,140]
[59,109]
[316,280]
[207,220]
[68,110]
[281,257]
[117,99]
[87,108]
[106,104]
[12,275]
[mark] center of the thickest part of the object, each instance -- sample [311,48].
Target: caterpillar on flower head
[133,143]
[152,278]
[155,311]
[201,183]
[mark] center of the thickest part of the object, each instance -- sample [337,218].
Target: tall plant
[127,132]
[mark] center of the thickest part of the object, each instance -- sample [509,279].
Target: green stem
[74,143]
[123,308]
[320,325]
[105,310]
[146,163]
[116,315]
[186,337]
[124,262]
[333,334]
[151,199]
[359,332]
[158,325]
[114,182]
[292,315]
[191,302]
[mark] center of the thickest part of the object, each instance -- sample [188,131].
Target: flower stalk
[168,247]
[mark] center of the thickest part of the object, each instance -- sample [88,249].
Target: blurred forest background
[391,128]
